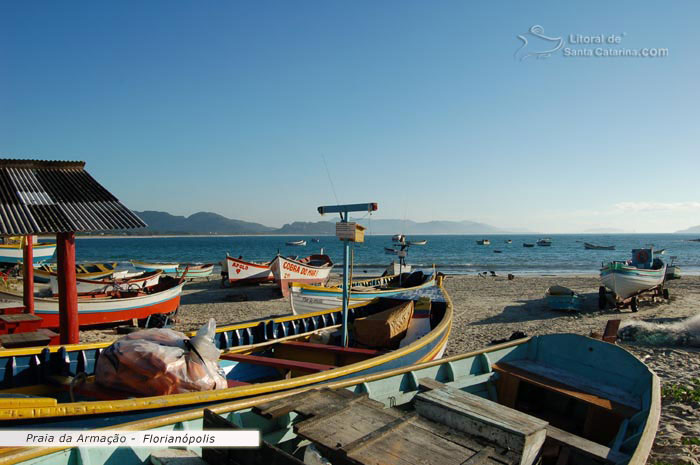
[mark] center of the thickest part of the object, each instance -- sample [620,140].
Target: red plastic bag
[156,362]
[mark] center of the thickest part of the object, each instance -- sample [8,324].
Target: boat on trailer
[307,298]
[111,306]
[242,271]
[153,266]
[560,399]
[629,279]
[313,269]
[257,357]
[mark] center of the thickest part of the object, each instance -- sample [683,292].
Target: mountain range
[212,223]
[691,230]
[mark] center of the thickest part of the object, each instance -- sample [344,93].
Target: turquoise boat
[55,386]
[591,401]
[563,298]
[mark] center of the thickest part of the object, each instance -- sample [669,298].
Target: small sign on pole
[350,231]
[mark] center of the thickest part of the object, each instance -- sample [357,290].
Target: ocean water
[450,253]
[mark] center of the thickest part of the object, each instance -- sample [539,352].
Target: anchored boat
[299,243]
[483,242]
[258,358]
[311,270]
[305,298]
[555,399]
[589,246]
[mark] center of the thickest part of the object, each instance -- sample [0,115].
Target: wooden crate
[351,231]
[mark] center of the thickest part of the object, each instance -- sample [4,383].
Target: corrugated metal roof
[38,196]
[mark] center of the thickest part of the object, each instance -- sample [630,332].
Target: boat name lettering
[293,267]
[239,265]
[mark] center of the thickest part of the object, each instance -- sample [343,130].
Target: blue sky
[423,107]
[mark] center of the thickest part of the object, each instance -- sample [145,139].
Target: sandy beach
[488,308]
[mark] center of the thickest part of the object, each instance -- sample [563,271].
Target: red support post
[67,290]
[28,274]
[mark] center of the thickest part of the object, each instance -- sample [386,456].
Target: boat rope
[330,180]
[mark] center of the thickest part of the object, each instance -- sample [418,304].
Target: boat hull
[241,271]
[194,271]
[306,298]
[43,273]
[11,253]
[287,271]
[92,414]
[104,285]
[626,281]
[147,266]
[95,311]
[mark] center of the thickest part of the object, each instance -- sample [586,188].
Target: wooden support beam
[28,274]
[67,290]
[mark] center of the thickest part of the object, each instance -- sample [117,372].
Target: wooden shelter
[40,197]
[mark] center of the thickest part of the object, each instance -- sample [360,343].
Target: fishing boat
[509,241]
[423,242]
[313,269]
[390,251]
[42,273]
[194,270]
[117,281]
[630,278]
[563,298]
[153,266]
[544,242]
[241,271]
[400,238]
[111,306]
[306,298]
[483,242]
[526,244]
[12,250]
[299,243]
[258,357]
[553,399]
[589,246]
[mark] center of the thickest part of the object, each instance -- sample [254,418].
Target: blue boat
[563,298]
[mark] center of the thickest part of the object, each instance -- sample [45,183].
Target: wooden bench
[19,323]
[280,363]
[30,339]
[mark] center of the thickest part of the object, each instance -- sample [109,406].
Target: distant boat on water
[315,240]
[423,242]
[509,241]
[525,244]
[544,242]
[497,251]
[297,243]
[484,242]
[590,246]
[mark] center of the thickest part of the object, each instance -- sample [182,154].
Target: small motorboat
[483,242]
[526,244]
[153,266]
[296,243]
[544,242]
[589,246]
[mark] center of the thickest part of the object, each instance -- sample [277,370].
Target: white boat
[299,243]
[122,281]
[12,250]
[194,270]
[483,242]
[398,238]
[659,252]
[242,271]
[307,298]
[423,242]
[544,242]
[627,279]
[313,269]
[153,266]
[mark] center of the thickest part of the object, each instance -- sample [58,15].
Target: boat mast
[346,232]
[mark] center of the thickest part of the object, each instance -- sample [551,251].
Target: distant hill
[213,223]
[198,223]
[692,230]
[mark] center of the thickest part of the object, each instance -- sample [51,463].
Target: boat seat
[280,363]
[584,390]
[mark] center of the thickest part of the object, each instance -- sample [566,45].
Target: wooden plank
[377,434]
[611,328]
[175,457]
[313,402]
[556,380]
[17,340]
[480,457]
[584,446]
[483,418]
[282,363]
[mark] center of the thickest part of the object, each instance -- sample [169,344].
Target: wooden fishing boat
[12,250]
[242,271]
[151,266]
[111,306]
[555,399]
[589,246]
[42,273]
[311,270]
[299,243]
[307,298]
[563,298]
[544,242]
[194,270]
[258,357]
[121,281]
[483,242]
[628,279]
[423,242]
